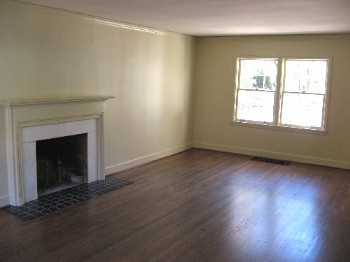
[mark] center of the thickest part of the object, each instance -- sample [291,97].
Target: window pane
[258,74]
[255,106]
[302,110]
[306,76]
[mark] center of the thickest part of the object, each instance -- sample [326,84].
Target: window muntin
[298,100]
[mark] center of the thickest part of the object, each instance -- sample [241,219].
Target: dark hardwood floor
[197,206]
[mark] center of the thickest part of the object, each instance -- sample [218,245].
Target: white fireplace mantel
[30,120]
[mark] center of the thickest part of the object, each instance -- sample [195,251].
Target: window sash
[257,109]
[308,73]
[265,74]
[311,114]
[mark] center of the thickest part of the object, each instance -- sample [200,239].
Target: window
[289,93]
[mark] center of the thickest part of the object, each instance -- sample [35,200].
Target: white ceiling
[219,17]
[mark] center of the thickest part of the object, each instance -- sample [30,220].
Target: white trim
[11,154]
[89,18]
[48,130]
[277,155]
[278,128]
[4,201]
[53,100]
[145,159]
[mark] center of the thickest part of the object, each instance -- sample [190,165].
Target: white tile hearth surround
[30,121]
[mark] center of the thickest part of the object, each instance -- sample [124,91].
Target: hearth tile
[65,198]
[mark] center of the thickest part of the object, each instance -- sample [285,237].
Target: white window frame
[278,101]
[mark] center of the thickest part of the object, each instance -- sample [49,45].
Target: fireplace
[31,166]
[61,163]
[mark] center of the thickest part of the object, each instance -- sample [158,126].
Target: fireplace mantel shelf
[45,101]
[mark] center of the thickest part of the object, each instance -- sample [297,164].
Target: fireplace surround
[28,121]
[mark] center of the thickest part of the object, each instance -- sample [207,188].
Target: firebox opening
[61,163]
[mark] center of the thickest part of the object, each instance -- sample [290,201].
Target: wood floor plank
[198,205]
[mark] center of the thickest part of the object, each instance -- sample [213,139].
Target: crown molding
[89,18]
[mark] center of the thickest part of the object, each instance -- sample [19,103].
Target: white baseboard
[4,201]
[277,155]
[145,159]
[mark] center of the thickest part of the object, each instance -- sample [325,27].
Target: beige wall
[214,81]
[50,53]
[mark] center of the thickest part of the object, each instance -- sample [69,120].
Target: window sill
[278,128]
